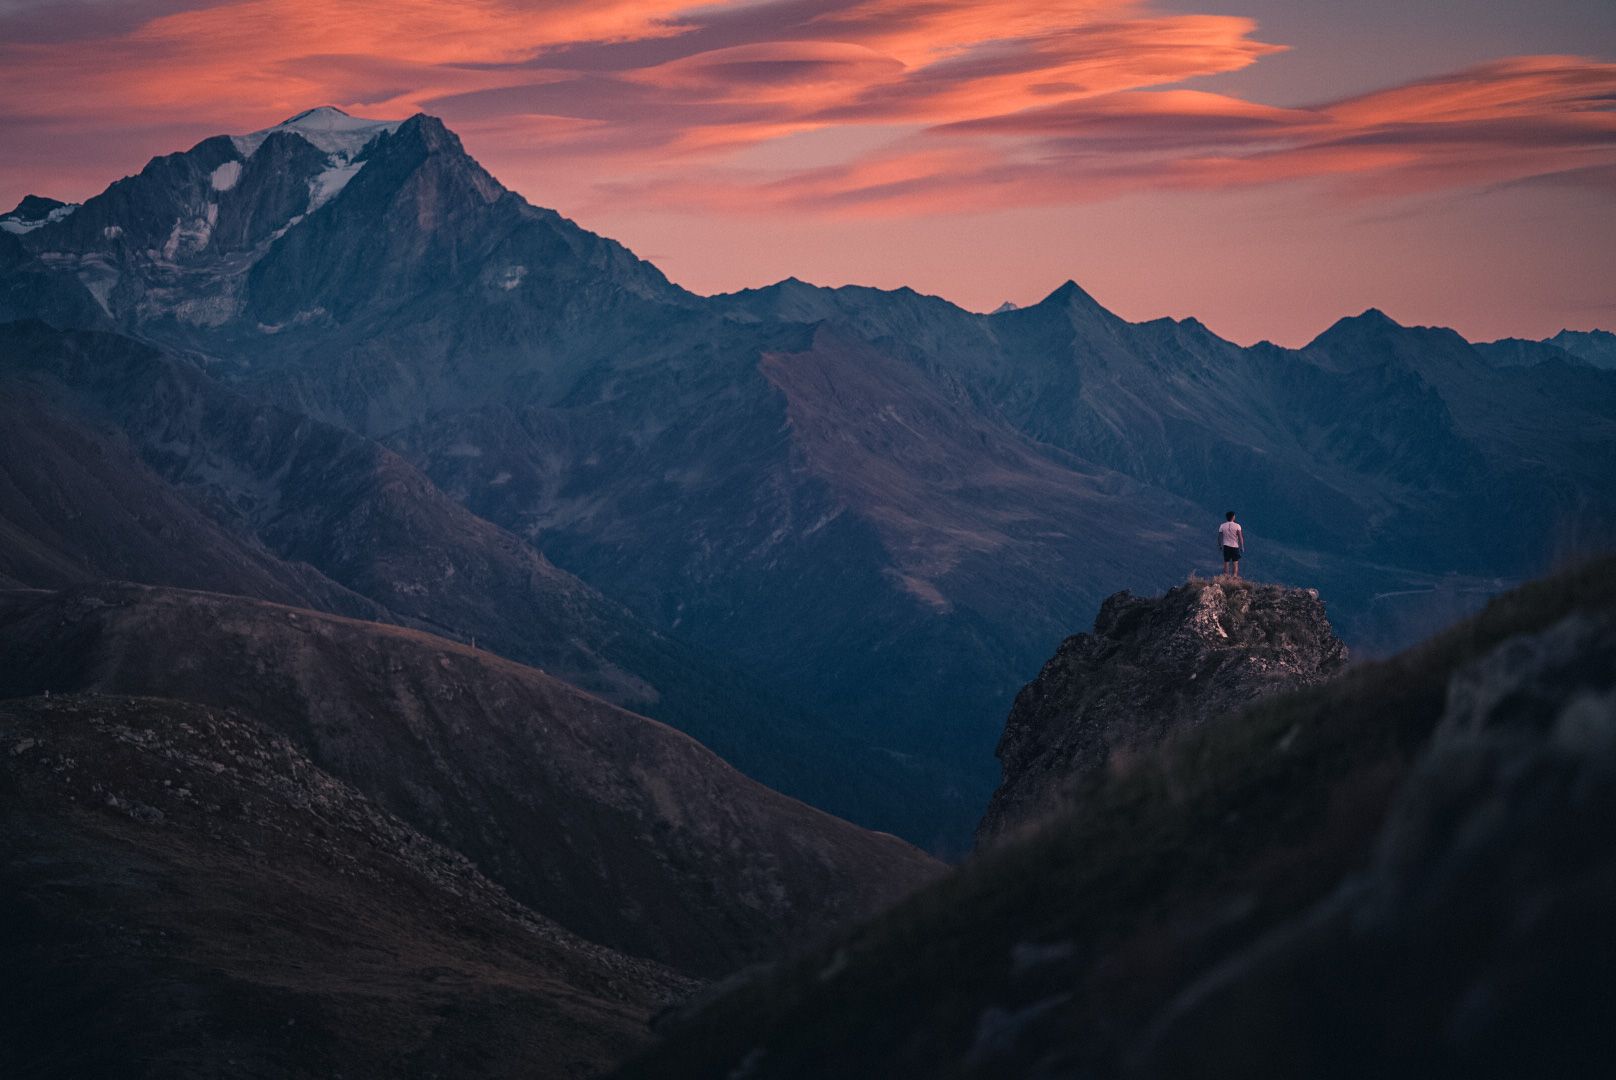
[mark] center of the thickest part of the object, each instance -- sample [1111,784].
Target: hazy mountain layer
[266,502]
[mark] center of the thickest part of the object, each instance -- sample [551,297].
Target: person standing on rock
[1233,539]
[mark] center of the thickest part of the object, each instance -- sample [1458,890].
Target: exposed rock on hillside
[622,830]
[1153,666]
[1405,871]
[183,893]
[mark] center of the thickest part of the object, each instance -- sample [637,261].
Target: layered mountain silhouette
[874,506]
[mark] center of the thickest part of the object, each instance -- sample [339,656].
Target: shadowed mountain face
[1594,347]
[875,505]
[1405,871]
[186,894]
[618,828]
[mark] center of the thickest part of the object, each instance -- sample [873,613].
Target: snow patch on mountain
[16,223]
[327,128]
[100,277]
[225,176]
[327,185]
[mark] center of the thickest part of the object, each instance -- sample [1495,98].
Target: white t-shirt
[1229,532]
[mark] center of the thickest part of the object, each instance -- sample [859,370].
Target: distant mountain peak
[1596,347]
[33,212]
[1372,322]
[33,206]
[318,114]
[1008,305]
[1073,295]
[326,127]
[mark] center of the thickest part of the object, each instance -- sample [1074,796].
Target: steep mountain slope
[77,504]
[185,893]
[1404,871]
[1153,667]
[32,289]
[620,829]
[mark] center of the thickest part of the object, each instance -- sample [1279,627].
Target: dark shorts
[1231,554]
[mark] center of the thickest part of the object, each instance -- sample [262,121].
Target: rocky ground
[184,893]
[1153,666]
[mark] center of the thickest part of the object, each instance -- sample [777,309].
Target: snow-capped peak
[35,213]
[327,127]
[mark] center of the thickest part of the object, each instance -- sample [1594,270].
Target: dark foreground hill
[184,893]
[620,829]
[1151,667]
[1406,871]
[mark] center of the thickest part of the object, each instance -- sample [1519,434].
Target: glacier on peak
[324,187]
[16,223]
[327,128]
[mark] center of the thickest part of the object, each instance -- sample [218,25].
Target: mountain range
[829,532]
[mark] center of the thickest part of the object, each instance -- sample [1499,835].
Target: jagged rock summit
[1151,666]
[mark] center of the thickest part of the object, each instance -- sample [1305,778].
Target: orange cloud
[1512,120]
[677,105]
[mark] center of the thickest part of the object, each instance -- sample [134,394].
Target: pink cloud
[1023,102]
[1503,122]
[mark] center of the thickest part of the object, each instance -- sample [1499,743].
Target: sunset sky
[1265,165]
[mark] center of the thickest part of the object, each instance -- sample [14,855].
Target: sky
[1267,166]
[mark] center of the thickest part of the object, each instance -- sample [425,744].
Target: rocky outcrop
[1150,667]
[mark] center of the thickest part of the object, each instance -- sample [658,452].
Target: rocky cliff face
[1150,667]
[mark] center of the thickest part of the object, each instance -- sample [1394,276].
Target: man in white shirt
[1233,539]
